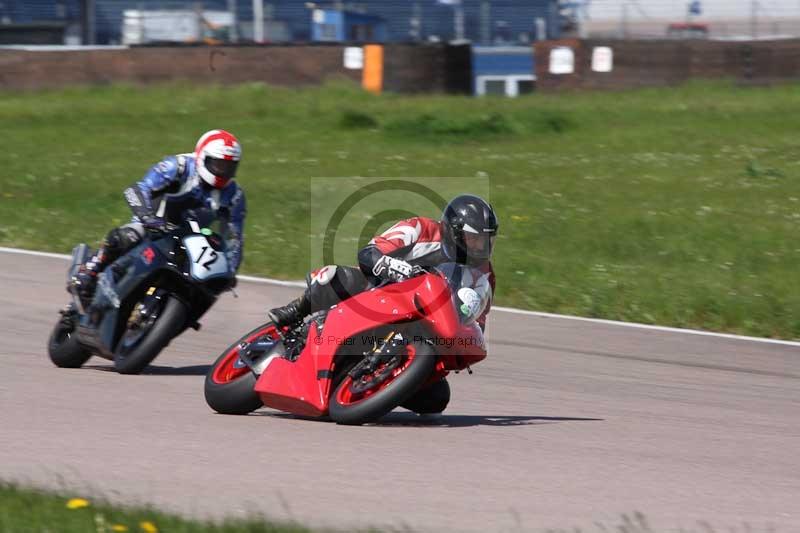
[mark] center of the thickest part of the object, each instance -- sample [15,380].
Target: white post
[688,16]
[258,21]
[583,31]
[200,22]
[625,20]
[234,34]
[88,22]
[459,20]
[486,18]
[541,29]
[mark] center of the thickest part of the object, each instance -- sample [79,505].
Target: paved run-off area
[566,424]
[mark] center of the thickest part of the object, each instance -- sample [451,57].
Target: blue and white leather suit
[177,175]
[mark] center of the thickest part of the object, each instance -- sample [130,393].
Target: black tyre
[229,387]
[430,400]
[132,357]
[63,347]
[353,409]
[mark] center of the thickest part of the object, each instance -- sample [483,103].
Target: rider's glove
[393,269]
[154,223]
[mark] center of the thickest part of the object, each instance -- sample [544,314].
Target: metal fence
[691,19]
[486,22]
[482,22]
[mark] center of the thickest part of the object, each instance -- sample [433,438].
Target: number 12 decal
[213,257]
[205,261]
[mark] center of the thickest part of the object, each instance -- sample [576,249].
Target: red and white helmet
[217,155]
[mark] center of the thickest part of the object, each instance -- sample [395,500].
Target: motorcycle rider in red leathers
[465,234]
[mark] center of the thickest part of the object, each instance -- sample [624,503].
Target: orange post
[372,75]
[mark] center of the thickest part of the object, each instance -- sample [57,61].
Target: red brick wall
[408,68]
[279,65]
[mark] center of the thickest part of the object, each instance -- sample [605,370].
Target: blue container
[507,70]
[331,25]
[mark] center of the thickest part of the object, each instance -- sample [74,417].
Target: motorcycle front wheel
[368,398]
[140,345]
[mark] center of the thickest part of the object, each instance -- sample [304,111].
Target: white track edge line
[33,252]
[512,310]
[271,281]
[636,325]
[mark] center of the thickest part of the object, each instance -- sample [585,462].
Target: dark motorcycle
[162,287]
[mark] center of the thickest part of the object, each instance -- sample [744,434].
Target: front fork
[80,254]
[152,303]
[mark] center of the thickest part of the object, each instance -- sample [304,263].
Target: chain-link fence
[482,22]
[690,19]
[485,22]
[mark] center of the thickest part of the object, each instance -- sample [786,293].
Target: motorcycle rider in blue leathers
[205,176]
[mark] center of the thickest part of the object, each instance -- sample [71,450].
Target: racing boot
[291,313]
[85,279]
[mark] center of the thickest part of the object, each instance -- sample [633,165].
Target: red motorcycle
[389,346]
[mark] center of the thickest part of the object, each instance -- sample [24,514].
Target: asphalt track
[566,424]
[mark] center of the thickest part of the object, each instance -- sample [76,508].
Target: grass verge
[31,511]
[676,206]
[34,511]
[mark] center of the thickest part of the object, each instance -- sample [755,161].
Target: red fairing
[299,387]
[418,237]
[303,387]
[425,298]
[458,345]
[376,307]
[465,349]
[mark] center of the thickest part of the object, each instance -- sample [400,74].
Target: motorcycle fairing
[303,386]
[106,335]
[425,300]
[298,386]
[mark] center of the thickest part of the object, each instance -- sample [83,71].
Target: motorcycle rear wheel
[63,347]
[230,389]
[429,400]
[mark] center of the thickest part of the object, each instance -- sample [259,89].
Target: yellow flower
[119,527]
[148,527]
[77,503]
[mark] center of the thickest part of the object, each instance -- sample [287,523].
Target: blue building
[503,70]
[485,22]
[333,25]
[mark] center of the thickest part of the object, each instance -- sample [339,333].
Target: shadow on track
[409,419]
[156,370]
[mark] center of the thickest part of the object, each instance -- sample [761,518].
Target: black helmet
[469,227]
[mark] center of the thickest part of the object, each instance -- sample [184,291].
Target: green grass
[677,206]
[25,510]
[32,511]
